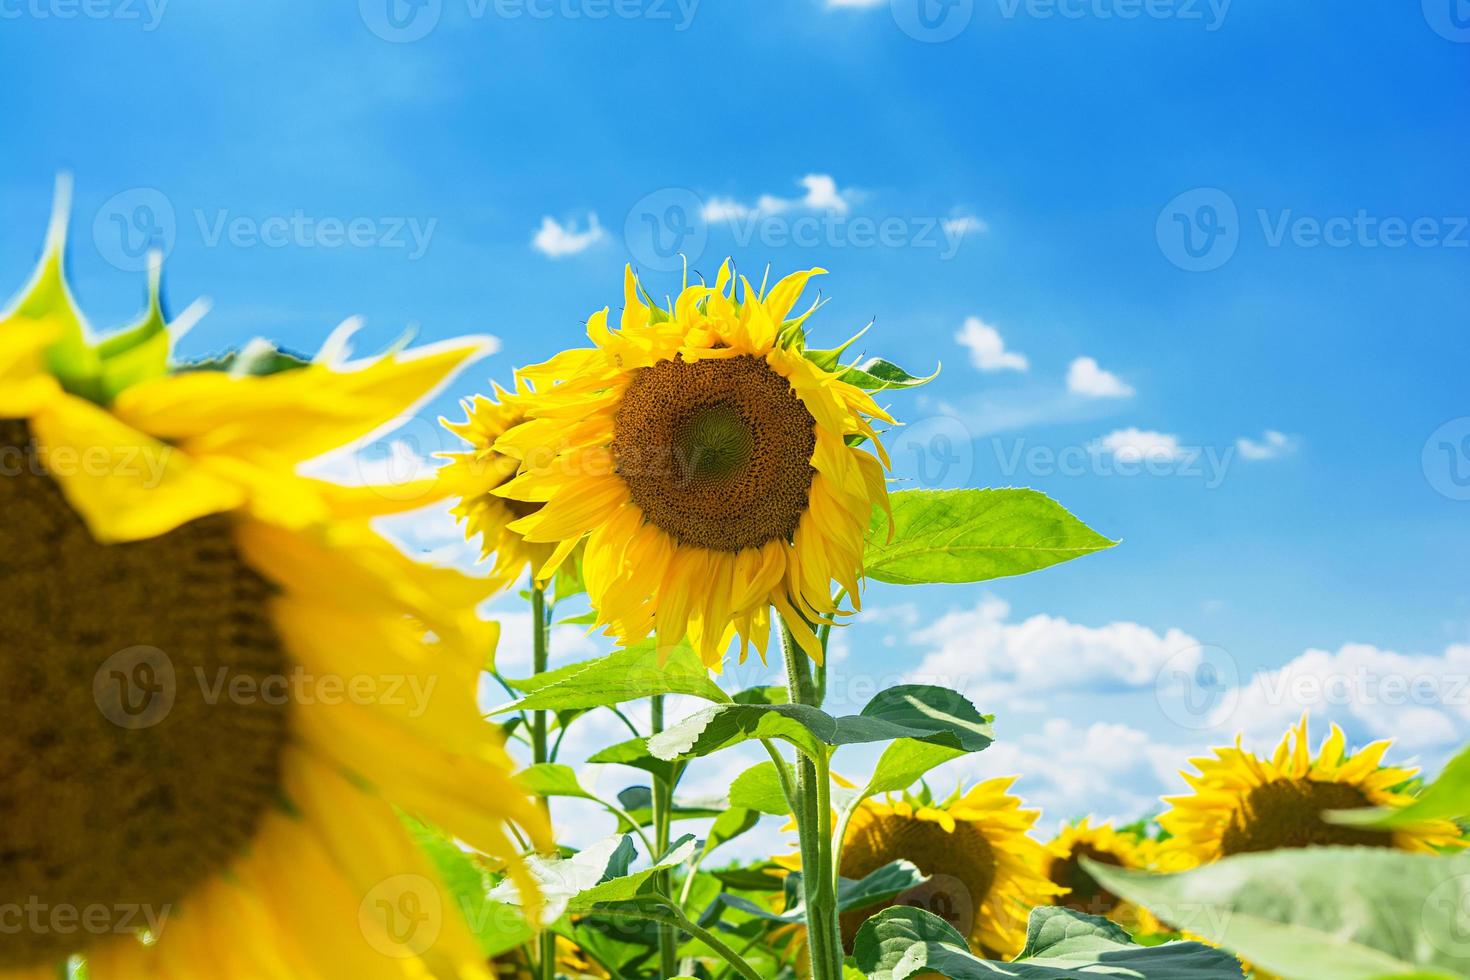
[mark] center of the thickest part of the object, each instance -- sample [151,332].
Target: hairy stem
[540,654]
[663,799]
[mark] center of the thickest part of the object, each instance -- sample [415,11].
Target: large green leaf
[904,762]
[634,752]
[903,942]
[876,374]
[627,674]
[1447,798]
[915,711]
[972,536]
[760,788]
[552,779]
[1340,912]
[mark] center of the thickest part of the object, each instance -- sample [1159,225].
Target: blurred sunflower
[1243,803]
[1105,845]
[180,608]
[985,871]
[711,466]
[473,475]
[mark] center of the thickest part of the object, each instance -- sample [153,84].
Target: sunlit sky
[1232,237]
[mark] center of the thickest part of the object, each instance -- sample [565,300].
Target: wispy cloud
[557,241]
[963,225]
[821,194]
[1135,445]
[1272,445]
[1085,377]
[987,348]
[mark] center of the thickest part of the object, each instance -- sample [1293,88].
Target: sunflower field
[703,486]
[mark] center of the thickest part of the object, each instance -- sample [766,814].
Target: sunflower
[221,687]
[985,871]
[711,466]
[472,475]
[1243,803]
[1105,845]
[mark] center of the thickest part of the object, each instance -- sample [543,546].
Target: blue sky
[1034,177]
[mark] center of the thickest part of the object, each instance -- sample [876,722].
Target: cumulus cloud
[963,225]
[979,650]
[1420,700]
[1135,445]
[1085,377]
[557,240]
[987,348]
[1272,445]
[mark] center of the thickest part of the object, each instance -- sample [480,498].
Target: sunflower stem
[663,798]
[813,821]
[540,660]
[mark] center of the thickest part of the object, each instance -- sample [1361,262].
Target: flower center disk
[1287,813]
[1086,895]
[716,453]
[139,753]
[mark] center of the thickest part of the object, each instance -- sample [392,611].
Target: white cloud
[1422,701]
[978,650]
[963,225]
[822,194]
[987,349]
[1272,445]
[1139,445]
[558,241]
[1085,377]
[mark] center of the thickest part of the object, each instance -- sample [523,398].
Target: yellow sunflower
[711,466]
[473,475]
[221,687]
[1243,803]
[985,871]
[1105,845]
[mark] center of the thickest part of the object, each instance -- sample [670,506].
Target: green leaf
[902,942]
[634,752]
[627,674]
[828,360]
[876,374]
[917,711]
[879,886]
[552,779]
[1340,912]
[1447,798]
[759,788]
[763,695]
[596,875]
[904,762]
[141,351]
[973,536]
[729,825]
[1051,927]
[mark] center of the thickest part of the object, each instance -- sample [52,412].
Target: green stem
[663,799]
[813,820]
[540,660]
[676,920]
